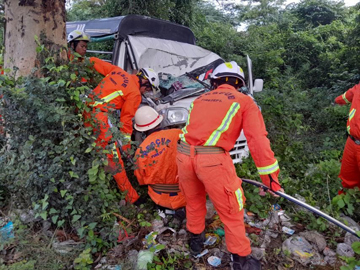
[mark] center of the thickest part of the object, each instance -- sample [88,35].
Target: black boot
[196,243]
[245,263]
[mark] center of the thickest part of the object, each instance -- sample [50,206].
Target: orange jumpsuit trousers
[103,134]
[350,165]
[215,175]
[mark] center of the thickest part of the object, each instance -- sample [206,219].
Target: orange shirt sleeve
[259,145]
[347,97]
[131,104]
[102,66]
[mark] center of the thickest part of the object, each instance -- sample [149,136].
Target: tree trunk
[26,19]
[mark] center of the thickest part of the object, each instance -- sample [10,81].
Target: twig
[52,238]
[328,190]
[122,218]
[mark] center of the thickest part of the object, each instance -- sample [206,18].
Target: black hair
[75,43]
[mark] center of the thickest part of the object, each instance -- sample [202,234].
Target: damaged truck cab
[170,49]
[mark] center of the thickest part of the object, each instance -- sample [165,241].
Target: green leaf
[92,225]
[81,232]
[88,150]
[44,205]
[60,223]
[63,192]
[54,219]
[341,203]
[44,215]
[53,211]
[73,175]
[76,218]
[356,247]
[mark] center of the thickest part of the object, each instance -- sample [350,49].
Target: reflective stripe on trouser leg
[194,192]
[223,186]
[350,165]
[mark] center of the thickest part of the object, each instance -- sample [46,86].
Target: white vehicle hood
[167,56]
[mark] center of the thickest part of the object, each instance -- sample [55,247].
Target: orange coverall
[119,90]
[215,121]
[157,168]
[350,165]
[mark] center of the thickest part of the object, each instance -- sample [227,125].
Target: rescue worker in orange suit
[77,43]
[350,164]
[155,160]
[118,90]
[205,167]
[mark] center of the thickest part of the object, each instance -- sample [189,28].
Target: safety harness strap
[170,188]
[185,148]
[356,140]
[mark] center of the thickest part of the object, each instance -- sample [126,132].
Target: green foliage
[167,261]
[348,203]
[22,265]
[49,159]
[84,261]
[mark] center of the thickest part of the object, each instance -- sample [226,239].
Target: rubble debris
[343,249]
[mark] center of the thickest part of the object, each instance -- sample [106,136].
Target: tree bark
[26,19]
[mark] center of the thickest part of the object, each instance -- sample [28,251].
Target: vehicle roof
[134,25]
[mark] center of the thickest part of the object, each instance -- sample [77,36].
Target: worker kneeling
[155,159]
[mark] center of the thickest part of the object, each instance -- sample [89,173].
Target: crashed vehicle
[170,49]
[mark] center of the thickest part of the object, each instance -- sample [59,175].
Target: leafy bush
[49,159]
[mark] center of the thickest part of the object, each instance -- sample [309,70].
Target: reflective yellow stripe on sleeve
[113,149]
[108,98]
[351,114]
[184,130]
[238,194]
[344,98]
[224,126]
[268,169]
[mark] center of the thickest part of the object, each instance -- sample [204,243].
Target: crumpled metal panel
[168,56]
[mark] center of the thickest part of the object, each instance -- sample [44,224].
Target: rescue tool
[302,204]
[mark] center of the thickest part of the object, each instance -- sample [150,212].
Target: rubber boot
[196,243]
[245,263]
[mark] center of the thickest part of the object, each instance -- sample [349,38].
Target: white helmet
[228,69]
[152,77]
[146,118]
[77,35]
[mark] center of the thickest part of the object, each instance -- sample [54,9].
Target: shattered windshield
[176,87]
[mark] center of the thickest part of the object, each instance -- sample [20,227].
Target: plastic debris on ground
[250,229]
[211,239]
[7,232]
[301,250]
[204,252]
[149,240]
[276,207]
[343,249]
[214,261]
[287,230]
[220,232]
[316,238]
[144,257]
[210,210]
